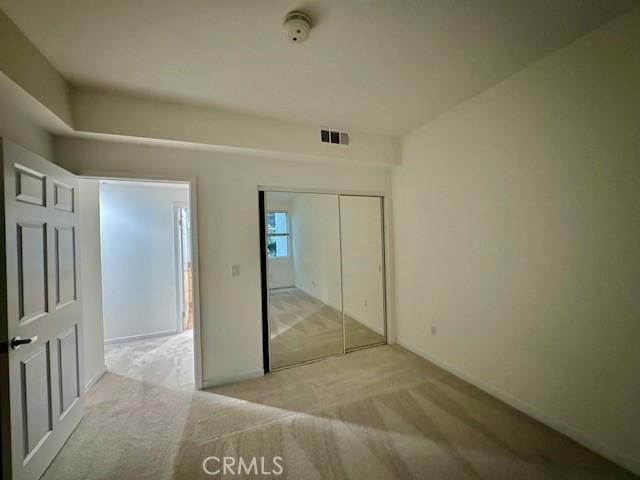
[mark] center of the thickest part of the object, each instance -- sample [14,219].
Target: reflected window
[278,234]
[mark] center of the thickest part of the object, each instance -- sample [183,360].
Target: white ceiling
[378,66]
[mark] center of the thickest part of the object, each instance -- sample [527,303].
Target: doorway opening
[184,264]
[147,280]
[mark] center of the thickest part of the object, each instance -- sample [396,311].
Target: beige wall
[227,197]
[362,260]
[109,113]
[139,260]
[315,235]
[23,64]
[91,281]
[25,133]
[517,233]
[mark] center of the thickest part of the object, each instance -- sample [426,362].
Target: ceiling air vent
[330,136]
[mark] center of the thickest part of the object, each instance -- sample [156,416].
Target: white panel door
[42,395]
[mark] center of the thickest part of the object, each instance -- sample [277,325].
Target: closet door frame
[385,211]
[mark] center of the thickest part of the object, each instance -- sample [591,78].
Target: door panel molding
[30,186]
[63,197]
[35,383]
[65,265]
[68,369]
[32,278]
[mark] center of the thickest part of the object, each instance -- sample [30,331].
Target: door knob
[16,342]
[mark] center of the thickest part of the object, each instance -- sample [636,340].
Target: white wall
[281,272]
[26,134]
[23,64]
[316,247]
[517,233]
[99,112]
[137,238]
[228,222]
[91,278]
[362,264]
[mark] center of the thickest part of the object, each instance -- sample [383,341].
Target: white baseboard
[93,380]
[143,336]
[583,439]
[217,382]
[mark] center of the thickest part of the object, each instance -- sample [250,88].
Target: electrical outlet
[434,330]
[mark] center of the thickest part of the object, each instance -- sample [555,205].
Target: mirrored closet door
[362,271]
[323,260]
[305,291]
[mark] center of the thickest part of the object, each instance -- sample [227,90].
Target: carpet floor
[379,413]
[166,360]
[304,328]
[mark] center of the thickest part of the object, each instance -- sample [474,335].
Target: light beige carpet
[379,413]
[303,328]
[166,360]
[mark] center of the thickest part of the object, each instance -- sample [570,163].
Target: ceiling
[376,66]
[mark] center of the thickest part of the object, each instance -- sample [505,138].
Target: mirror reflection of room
[325,275]
[305,299]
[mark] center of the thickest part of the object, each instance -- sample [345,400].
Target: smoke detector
[297,26]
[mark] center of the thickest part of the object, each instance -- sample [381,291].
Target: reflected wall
[362,271]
